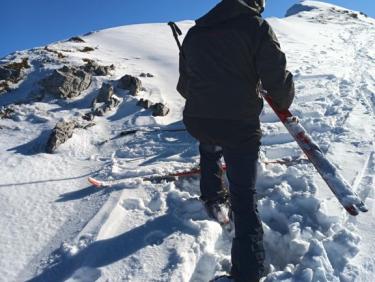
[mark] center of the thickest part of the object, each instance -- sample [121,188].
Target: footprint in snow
[133,204]
[157,203]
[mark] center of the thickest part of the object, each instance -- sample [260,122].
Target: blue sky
[29,23]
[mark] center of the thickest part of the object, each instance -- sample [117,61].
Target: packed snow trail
[58,229]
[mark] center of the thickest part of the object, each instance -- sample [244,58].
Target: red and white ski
[340,188]
[152,178]
[186,173]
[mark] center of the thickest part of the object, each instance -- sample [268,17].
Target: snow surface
[56,227]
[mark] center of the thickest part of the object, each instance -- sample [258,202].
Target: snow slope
[56,227]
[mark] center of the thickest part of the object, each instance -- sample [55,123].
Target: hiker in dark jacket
[226,57]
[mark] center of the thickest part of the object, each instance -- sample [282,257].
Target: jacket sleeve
[270,63]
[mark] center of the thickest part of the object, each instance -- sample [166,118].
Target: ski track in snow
[60,229]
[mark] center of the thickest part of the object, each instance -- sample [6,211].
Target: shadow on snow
[108,251]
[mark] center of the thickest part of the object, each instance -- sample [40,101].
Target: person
[226,57]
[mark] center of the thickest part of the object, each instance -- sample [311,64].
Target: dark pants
[238,142]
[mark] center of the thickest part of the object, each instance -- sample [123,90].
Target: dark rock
[159,109]
[6,113]
[105,93]
[59,54]
[93,68]
[67,82]
[146,75]
[100,111]
[88,116]
[14,72]
[76,39]
[4,87]
[60,134]
[105,101]
[24,64]
[87,49]
[144,103]
[85,126]
[8,74]
[130,83]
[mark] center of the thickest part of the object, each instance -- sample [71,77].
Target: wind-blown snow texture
[56,227]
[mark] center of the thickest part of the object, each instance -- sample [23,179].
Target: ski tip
[355,209]
[362,207]
[352,210]
[95,182]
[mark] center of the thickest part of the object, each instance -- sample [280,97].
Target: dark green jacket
[224,57]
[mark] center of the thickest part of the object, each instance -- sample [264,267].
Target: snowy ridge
[57,227]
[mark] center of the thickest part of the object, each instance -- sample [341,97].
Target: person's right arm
[270,63]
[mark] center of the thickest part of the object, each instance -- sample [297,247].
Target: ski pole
[176,32]
[134,131]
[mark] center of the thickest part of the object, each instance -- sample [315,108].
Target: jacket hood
[228,9]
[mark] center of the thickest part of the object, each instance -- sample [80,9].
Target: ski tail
[95,182]
[356,208]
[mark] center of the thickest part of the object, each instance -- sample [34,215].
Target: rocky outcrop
[130,83]
[62,132]
[144,103]
[9,74]
[106,100]
[146,74]
[6,112]
[12,73]
[67,82]
[76,39]
[57,53]
[4,86]
[158,109]
[86,49]
[95,69]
